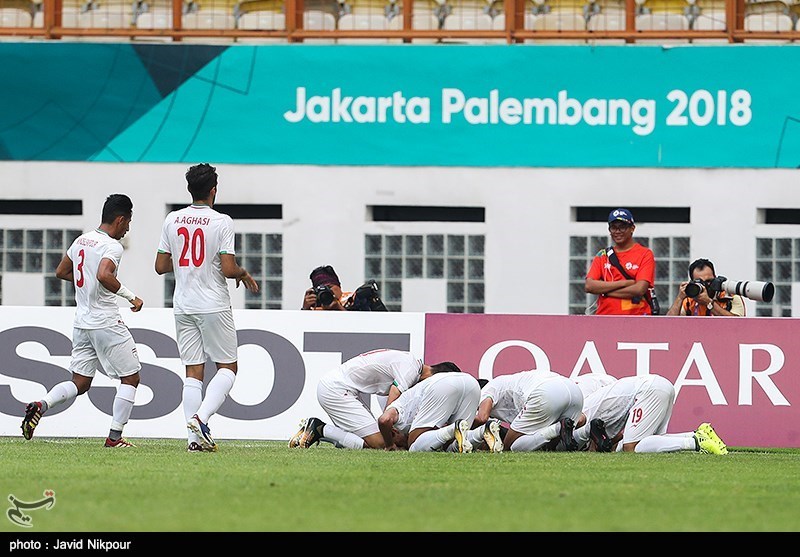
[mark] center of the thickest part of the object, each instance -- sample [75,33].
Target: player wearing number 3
[99,337]
[197,244]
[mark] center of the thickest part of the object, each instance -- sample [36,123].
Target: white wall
[527,228]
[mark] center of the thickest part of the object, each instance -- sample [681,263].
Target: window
[456,258]
[39,251]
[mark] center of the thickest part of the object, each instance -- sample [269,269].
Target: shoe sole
[207,443]
[708,431]
[462,428]
[566,435]
[493,439]
[307,436]
[294,442]
[30,422]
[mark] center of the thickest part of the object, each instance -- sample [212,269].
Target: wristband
[125,293]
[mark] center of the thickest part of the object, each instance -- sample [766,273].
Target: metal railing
[50,26]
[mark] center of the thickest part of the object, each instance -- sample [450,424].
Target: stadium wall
[530,216]
[740,374]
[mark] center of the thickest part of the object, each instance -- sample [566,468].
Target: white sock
[216,393]
[581,434]
[344,438]
[123,406]
[475,436]
[434,439]
[665,444]
[61,393]
[192,397]
[530,442]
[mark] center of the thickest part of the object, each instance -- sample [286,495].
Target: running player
[99,336]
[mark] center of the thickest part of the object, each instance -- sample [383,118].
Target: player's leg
[117,353]
[83,365]
[353,424]
[193,357]
[220,344]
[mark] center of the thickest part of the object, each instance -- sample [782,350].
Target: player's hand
[136,304]
[249,282]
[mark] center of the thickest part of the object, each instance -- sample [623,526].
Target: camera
[752,289]
[694,288]
[324,295]
[366,298]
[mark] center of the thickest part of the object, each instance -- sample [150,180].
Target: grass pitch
[255,486]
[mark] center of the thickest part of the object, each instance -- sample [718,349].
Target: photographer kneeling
[704,294]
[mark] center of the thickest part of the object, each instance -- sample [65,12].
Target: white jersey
[441,399]
[375,372]
[195,236]
[509,393]
[590,382]
[96,305]
[614,402]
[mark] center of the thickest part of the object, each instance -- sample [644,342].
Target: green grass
[254,486]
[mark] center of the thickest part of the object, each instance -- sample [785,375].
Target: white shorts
[348,409]
[204,336]
[552,400]
[651,412]
[112,348]
[453,398]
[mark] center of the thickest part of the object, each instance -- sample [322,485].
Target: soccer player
[197,244]
[344,394]
[633,414]
[541,407]
[99,336]
[433,413]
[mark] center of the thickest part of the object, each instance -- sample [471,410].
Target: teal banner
[404,105]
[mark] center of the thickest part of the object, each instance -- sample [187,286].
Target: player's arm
[163,262]
[484,412]
[386,423]
[394,392]
[232,270]
[106,275]
[64,270]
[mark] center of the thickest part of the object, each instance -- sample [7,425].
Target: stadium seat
[370,7]
[468,21]
[316,20]
[213,18]
[422,20]
[606,15]
[363,21]
[710,20]
[157,16]
[662,15]
[267,20]
[499,21]
[16,16]
[559,15]
[770,22]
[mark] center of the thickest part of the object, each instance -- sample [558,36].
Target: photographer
[710,299]
[326,293]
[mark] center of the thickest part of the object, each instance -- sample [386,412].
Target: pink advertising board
[740,374]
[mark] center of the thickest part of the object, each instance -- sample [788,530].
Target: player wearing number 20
[197,245]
